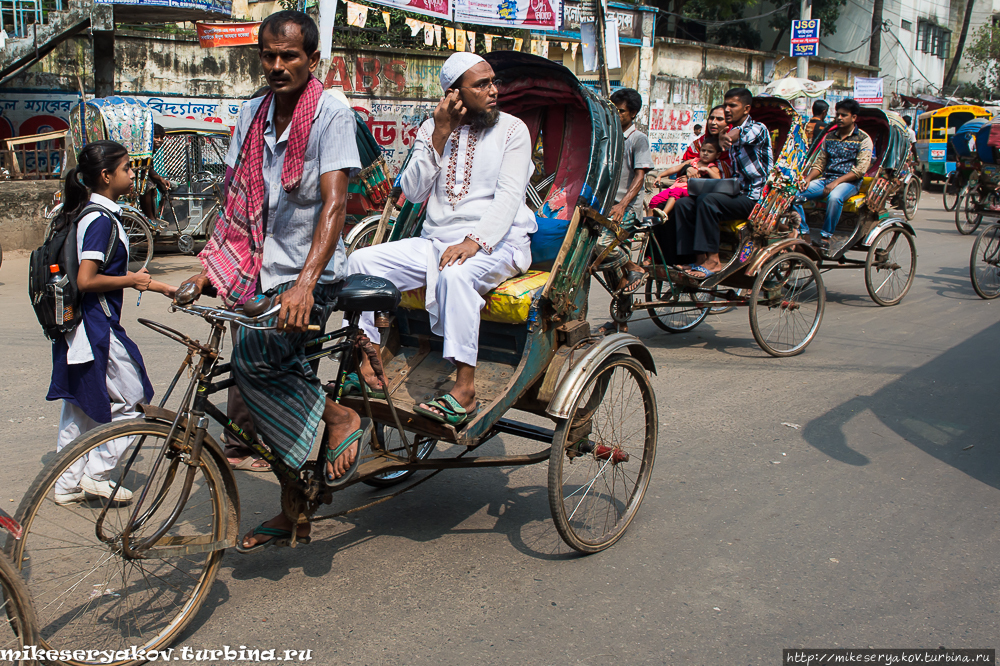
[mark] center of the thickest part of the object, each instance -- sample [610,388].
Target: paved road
[872,524]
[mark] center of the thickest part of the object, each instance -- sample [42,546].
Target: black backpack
[57,306]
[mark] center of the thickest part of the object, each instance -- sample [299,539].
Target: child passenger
[706,166]
[97,370]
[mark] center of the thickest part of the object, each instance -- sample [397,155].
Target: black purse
[728,186]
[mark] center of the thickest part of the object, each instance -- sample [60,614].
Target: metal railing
[18,16]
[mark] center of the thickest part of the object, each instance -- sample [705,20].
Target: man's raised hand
[450,112]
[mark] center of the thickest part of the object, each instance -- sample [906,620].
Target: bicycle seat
[367,293]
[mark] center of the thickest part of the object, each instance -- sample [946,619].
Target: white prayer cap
[456,65]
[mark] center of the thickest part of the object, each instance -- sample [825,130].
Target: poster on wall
[528,14]
[211,35]
[671,130]
[868,91]
[438,8]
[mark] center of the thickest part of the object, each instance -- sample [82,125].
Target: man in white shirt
[471,164]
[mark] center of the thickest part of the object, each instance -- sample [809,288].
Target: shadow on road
[943,408]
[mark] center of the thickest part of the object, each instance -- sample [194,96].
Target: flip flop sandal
[331,457]
[454,414]
[352,386]
[249,464]
[700,269]
[635,280]
[279,538]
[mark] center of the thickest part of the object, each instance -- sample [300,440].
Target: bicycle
[17,613]
[984,265]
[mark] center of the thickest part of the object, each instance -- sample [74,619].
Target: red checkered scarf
[233,256]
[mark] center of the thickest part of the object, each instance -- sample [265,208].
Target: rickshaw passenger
[839,168]
[698,218]
[471,163]
[293,152]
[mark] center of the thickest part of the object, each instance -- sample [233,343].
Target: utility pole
[875,54]
[602,56]
[805,14]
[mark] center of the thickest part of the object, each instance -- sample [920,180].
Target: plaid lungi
[282,389]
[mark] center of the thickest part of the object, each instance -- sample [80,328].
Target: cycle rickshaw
[967,166]
[129,122]
[981,197]
[766,268]
[123,574]
[865,226]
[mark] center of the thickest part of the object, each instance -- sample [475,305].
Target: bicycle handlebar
[255,312]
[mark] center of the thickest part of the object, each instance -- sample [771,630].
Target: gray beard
[485,120]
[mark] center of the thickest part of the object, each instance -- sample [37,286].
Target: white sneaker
[104,489]
[64,499]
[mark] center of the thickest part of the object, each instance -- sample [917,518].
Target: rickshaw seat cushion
[364,293]
[733,225]
[866,184]
[509,303]
[854,204]
[548,238]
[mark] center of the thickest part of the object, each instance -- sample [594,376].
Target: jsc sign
[805,38]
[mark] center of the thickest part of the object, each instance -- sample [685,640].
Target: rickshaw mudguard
[366,222]
[885,223]
[769,252]
[167,416]
[575,377]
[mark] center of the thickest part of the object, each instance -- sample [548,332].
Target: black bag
[57,306]
[728,186]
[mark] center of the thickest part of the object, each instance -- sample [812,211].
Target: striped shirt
[752,158]
[290,217]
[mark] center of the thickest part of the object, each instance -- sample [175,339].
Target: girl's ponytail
[96,157]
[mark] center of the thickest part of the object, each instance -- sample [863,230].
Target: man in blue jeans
[838,169]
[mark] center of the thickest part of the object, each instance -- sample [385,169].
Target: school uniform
[97,371]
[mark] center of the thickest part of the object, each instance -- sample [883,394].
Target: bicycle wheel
[86,591]
[786,304]
[911,199]
[17,614]
[602,455]
[890,266]
[951,194]
[364,239]
[388,439]
[984,267]
[685,315]
[140,240]
[967,218]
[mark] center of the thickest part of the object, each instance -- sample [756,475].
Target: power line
[911,60]
[712,24]
[883,28]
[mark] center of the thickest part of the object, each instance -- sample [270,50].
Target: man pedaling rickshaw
[472,164]
[838,171]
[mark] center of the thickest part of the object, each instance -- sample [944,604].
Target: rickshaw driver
[698,218]
[839,168]
[472,164]
[293,152]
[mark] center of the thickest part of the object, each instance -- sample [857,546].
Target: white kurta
[475,189]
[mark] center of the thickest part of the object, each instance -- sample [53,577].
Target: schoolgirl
[97,370]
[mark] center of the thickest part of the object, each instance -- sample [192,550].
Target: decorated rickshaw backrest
[123,119]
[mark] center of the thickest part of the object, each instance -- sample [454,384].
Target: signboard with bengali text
[805,39]
[528,14]
[868,91]
[227,34]
[212,6]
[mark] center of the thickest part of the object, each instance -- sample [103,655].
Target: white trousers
[125,391]
[454,295]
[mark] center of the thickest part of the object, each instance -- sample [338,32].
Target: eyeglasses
[623,110]
[485,85]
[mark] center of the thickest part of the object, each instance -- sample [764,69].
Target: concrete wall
[21,204]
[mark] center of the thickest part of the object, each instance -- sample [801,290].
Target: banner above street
[227,34]
[438,8]
[209,7]
[527,14]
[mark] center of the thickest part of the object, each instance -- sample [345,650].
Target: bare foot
[280,522]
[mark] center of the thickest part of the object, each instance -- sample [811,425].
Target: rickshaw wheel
[951,195]
[786,304]
[967,219]
[17,614]
[911,199]
[602,455]
[887,259]
[984,268]
[388,439]
[86,590]
[140,241]
[675,318]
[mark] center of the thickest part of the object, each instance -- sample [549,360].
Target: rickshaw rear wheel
[984,267]
[679,318]
[140,240]
[887,259]
[952,192]
[17,626]
[388,438]
[967,219]
[86,591]
[911,199]
[786,304]
[602,455]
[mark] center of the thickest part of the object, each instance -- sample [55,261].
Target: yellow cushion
[509,303]
[854,204]
[734,225]
[866,184]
